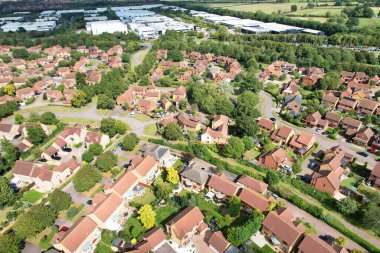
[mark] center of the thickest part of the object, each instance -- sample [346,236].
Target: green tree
[341,241]
[248,142]
[293,8]
[59,200]
[348,206]
[234,206]
[147,216]
[247,81]
[9,243]
[237,235]
[32,222]
[330,81]
[234,148]
[130,141]
[370,217]
[10,89]
[86,178]
[19,119]
[105,102]
[49,118]
[173,132]
[120,127]
[272,178]
[87,156]
[95,148]
[7,195]
[175,55]
[162,189]
[80,80]
[79,99]
[111,127]
[36,134]
[172,175]
[106,161]
[8,155]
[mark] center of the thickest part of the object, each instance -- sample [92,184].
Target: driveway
[31,248]
[60,222]
[77,197]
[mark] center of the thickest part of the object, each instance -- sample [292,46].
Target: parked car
[273,119]
[362,153]
[275,196]
[89,202]
[312,165]
[67,149]
[306,179]
[64,229]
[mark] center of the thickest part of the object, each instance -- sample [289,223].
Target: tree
[95,148]
[32,222]
[173,132]
[19,119]
[111,127]
[7,195]
[246,126]
[8,155]
[175,55]
[106,161]
[247,81]
[293,8]
[130,141]
[348,206]
[370,217]
[237,235]
[10,89]
[120,127]
[341,241]
[248,142]
[59,200]
[49,118]
[147,216]
[234,148]
[9,243]
[172,175]
[87,156]
[246,104]
[272,178]
[162,189]
[355,250]
[105,102]
[80,80]
[79,99]
[330,81]
[86,178]
[36,134]
[234,206]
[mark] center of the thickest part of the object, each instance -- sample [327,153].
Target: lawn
[45,241]
[75,211]
[264,7]
[150,129]
[147,198]
[164,213]
[104,246]
[348,182]
[141,117]
[318,11]
[80,121]
[32,196]
[251,154]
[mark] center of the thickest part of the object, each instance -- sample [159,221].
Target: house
[166,121]
[146,106]
[210,136]
[275,159]
[329,101]
[280,228]
[302,143]
[145,169]
[110,213]
[124,187]
[363,136]
[351,126]
[153,96]
[25,93]
[6,98]
[374,178]
[293,105]
[54,95]
[69,94]
[187,124]
[312,119]
[367,107]
[311,243]
[18,81]
[282,136]
[290,89]
[82,49]
[127,98]
[179,94]
[50,153]
[194,177]
[153,241]
[185,225]
[334,119]
[252,200]
[310,80]
[9,131]
[266,125]
[96,137]
[347,104]
[252,183]
[94,78]
[346,77]
[195,56]
[63,71]
[24,128]
[161,154]
[165,104]
[83,236]
[162,54]
[221,187]
[73,135]
[218,243]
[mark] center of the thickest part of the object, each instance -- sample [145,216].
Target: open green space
[150,129]
[32,196]
[141,117]
[264,7]
[164,213]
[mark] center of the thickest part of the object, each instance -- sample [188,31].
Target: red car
[64,229]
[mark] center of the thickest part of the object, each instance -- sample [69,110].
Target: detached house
[253,200]
[179,94]
[266,125]
[25,93]
[351,126]
[311,243]
[302,143]
[312,119]
[280,228]
[374,178]
[146,106]
[185,225]
[282,136]
[187,124]
[334,119]
[275,159]
[218,134]
[194,178]
[329,101]
[363,136]
[367,107]
[221,187]
[54,95]
[127,98]
[96,137]
[9,131]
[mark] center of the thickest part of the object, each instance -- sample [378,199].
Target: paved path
[137,57]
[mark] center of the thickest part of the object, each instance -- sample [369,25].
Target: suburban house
[311,244]
[124,187]
[302,143]
[310,80]
[179,94]
[161,154]
[367,107]
[146,169]
[293,105]
[347,104]
[54,95]
[282,135]
[110,213]
[334,119]
[312,119]
[252,183]
[194,177]
[83,236]
[9,131]
[153,241]
[218,243]
[146,106]
[96,137]
[283,232]
[374,178]
[25,93]
[211,136]
[266,125]
[329,101]
[352,126]
[290,89]
[73,134]
[221,187]
[275,159]
[363,136]
[185,225]
[253,200]
[127,98]
[187,124]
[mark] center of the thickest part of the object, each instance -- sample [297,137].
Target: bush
[88,156]
[49,118]
[173,132]
[59,200]
[106,161]
[272,178]
[95,148]
[86,178]
[130,141]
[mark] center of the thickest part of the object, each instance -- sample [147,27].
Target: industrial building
[110,26]
[29,26]
[95,18]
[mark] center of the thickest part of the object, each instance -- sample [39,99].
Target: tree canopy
[86,178]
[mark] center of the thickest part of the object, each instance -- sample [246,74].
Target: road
[267,107]
[138,57]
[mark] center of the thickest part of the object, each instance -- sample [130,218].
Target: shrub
[86,178]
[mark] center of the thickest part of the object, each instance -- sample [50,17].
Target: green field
[32,196]
[264,7]
[318,11]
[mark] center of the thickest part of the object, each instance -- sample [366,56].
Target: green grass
[251,154]
[319,11]
[32,196]
[80,121]
[310,229]
[75,212]
[141,117]
[164,213]
[150,129]
[99,189]
[103,111]
[45,242]
[267,249]
[264,7]
[147,198]
[104,246]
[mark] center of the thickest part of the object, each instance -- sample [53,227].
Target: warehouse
[110,26]
[29,26]
[237,23]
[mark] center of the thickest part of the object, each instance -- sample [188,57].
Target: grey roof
[297,99]
[156,151]
[195,174]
